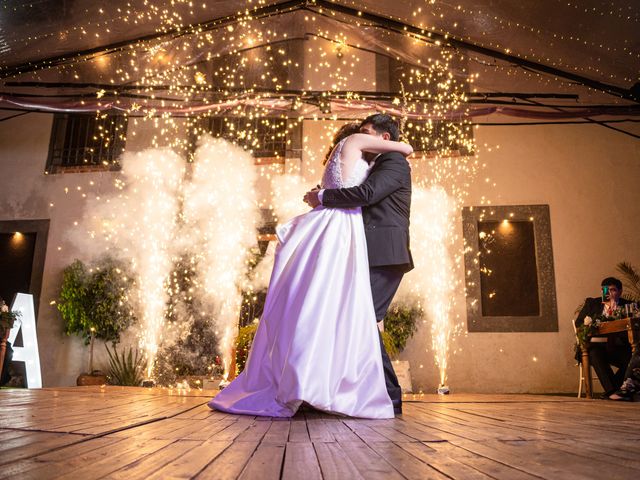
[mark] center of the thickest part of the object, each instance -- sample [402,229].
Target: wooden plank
[278,432]
[442,463]
[334,462]
[494,469]
[188,427]
[318,431]
[150,430]
[191,462]
[405,463]
[510,437]
[419,432]
[235,429]
[340,432]
[254,432]
[300,461]
[369,463]
[392,434]
[208,430]
[144,467]
[298,430]
[546,453]
[32,445]
[41,462]
[9,434]
[526,459]
[472,429]
[603,452]
[103,461]
[366,433]
[265,463]
[229,464]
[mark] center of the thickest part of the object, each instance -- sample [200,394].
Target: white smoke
[137,225]
[287,191]
[155,217]
[220,213]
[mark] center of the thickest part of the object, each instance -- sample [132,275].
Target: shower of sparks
[138,224]
[260,88]
[220,221]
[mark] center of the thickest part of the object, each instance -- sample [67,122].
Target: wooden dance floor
[116,432]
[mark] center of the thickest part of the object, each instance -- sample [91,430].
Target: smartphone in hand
[605,294]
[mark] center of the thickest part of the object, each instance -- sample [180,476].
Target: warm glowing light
[206,210]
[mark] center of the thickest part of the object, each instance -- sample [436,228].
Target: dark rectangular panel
[508,270]
[16,262]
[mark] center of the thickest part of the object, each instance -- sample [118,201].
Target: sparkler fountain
[220,219]
[138,224]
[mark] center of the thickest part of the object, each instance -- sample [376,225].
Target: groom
[385,198]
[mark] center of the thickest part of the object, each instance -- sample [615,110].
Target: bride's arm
[358,143]
[370,143]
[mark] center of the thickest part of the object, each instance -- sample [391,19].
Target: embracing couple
[335,273]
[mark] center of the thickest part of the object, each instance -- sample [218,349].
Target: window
[86,142]
[267,138]
[509,269]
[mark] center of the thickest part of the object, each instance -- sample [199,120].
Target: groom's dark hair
[381,123]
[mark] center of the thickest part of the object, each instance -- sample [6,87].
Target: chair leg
[580,381]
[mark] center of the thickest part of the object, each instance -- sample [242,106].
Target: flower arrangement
[7,317]
[588,328]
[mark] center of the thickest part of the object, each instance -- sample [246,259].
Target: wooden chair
[581,378]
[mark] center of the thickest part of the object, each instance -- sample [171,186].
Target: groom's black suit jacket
[385,198]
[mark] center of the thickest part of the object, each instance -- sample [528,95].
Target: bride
[317,341]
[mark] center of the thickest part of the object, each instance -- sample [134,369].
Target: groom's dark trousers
[385,198]
[384,285]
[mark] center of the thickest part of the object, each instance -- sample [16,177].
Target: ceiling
[577,52]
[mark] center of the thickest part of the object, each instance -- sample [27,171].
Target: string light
[258,83]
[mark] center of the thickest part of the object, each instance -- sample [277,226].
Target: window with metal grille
[263,137]
[86,142]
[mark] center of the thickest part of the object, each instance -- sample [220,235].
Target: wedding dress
[317,341]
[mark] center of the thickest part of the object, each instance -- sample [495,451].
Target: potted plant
[399,327]
[94,305]
[125,370]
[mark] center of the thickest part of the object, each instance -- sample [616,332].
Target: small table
[630,325]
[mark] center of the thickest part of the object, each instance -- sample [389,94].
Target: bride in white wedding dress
[317,341]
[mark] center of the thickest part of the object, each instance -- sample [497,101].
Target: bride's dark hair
[345,130]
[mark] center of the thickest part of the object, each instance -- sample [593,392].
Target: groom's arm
[387,177]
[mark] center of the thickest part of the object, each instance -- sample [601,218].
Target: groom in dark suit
[385,198]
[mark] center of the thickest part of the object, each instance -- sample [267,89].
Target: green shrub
[125,370]
[389,344]
[97,299]
[400,325]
